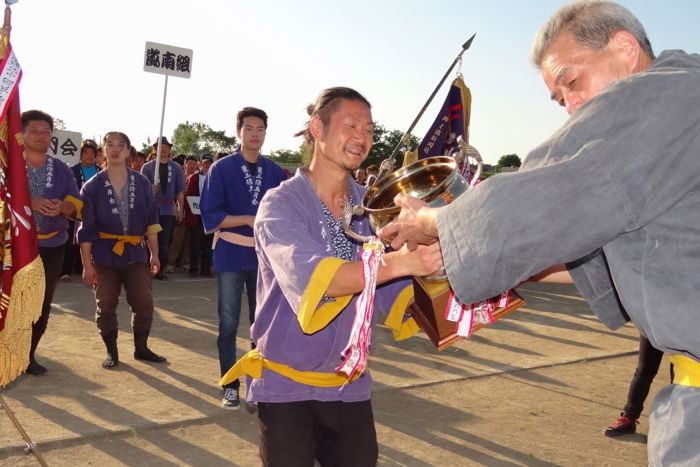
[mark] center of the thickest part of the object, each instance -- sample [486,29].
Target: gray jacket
[623,174]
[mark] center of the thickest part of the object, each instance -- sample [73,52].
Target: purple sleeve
[88,231]
[212,201]
[179,180]
[148,171]
[388,292]
[286,244]
[71,188]
[150,200]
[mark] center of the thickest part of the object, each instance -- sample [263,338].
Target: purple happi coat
[60,184]
[294,324]
[100,214]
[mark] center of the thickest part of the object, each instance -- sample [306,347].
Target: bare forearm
[554,274]
[427,221]
[349,279]
[86,253]
[152,241]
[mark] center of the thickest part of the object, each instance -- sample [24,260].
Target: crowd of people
[608,202]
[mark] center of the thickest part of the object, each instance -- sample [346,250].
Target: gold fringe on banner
[24,308]
[410,157]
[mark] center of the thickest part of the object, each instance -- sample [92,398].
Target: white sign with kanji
[167,60]
[65,146]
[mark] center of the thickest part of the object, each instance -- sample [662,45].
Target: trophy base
[429,307]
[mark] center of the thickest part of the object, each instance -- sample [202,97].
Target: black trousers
[200,249]
[293,434]
[52,257]
[71,258]
[139,295]
[647,367]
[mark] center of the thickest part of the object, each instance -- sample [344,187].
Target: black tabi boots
[110,340]
[141,350]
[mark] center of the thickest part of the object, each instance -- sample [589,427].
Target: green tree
[146,147]
[508,160]
[198,138]
[286,157]
[384,143]
[59,124]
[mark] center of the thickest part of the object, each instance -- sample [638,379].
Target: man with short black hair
[170,197]
[55,201]
[200,241]
[229,202]
[138,161]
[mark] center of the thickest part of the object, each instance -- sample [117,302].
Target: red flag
[22,277]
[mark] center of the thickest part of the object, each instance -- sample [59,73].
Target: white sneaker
[230,400]
[169,269]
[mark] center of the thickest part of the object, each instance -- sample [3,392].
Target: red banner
[22,277]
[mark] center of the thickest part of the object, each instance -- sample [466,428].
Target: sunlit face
[206,163]
[252,133]
[116,150]
[100,158]
[37,136]
[348,138]
[360,176]
[87,157]
[164,152]
[190,167]
[575,74]
[137,163]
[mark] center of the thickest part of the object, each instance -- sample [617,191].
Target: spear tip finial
[466,45]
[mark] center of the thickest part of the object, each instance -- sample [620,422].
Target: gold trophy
[438,182]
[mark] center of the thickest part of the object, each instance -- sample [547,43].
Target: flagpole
[30,446]
[402,143]
[156,175]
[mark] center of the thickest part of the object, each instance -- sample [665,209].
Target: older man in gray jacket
[615,193]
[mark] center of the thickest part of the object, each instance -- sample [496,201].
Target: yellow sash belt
[48,235]
[118,247]
[686,371]
[252,364]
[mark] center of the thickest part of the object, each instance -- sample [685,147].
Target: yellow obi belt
[686,371]
[118,247]
[252,364]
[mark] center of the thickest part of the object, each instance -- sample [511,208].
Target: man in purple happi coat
[119,211]
[229,202]
[309,281]
[55,201]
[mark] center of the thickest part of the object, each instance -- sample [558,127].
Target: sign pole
[156,175]
[166,60]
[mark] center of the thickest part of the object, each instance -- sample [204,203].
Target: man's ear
[627,48]
[316,127]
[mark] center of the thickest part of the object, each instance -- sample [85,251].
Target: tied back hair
[326,104]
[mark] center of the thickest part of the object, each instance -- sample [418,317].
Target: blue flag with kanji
[451,122]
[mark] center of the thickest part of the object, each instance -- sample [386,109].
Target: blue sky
[83,62]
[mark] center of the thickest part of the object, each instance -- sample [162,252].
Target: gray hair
[592,23]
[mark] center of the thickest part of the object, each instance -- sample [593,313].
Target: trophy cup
[437,181]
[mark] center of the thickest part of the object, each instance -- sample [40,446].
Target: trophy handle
[386,167]
[466,151]
[348,211]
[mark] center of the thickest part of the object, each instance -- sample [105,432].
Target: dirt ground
[536,388]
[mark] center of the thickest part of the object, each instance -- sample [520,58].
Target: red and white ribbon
[468,317]
[357,349]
